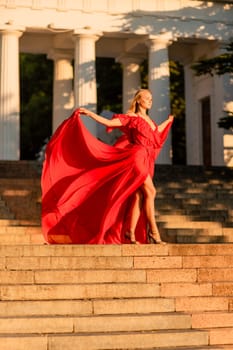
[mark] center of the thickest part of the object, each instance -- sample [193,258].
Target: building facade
[130,31]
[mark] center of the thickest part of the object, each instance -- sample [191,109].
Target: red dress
[87,185]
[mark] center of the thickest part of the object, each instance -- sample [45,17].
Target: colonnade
[77,87]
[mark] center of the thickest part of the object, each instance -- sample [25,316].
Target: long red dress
[87,185]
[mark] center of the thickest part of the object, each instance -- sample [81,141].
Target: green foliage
[226,122]
[144,74]
[109,85]
[218,65]
[178,110]
[36,79]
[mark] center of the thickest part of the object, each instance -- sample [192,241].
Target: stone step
[203,304]
[175,218]
[85,307]
[50,307]
[118,323]
[210,225]
[136,340]
[79,291]
[208,195]
[22,196]
[94,323]
[8,222]
[21,239]
[212,320]
[228,234]
[112,262]
[79,250]
[221,336]
[199,250]
[6,214]
[13,222]
[20,230]
[197,212]
[132,252]
[200,238]
[114,289]
[74,276]
[192,275]
[192,204]
[122,340]
[200,235]
[194,186]
[19,169]
[195,235]
[18,182]
[73,263]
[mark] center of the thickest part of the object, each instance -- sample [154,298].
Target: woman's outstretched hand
[170,117]
[84,111]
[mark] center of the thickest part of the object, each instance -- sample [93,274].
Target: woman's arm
[107,122]
[165,123]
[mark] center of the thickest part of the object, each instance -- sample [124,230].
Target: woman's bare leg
[134,216]
[149,192]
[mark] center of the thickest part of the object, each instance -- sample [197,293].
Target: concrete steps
[133,340]
[196,206]
[116,297]
[22,197]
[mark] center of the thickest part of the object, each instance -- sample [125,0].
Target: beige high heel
[131,238]
[154,238]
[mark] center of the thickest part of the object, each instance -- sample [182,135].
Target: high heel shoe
[131,238]
[152,237]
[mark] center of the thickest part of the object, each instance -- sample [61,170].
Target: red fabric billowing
[87,185]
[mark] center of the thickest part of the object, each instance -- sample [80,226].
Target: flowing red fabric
[87,185]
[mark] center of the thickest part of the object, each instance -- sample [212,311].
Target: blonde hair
[133,108]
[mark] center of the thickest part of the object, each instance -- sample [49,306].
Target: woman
[100,194]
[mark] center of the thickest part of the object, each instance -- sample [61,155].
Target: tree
[109,84]
[218,65]
[36,81]
[177,99]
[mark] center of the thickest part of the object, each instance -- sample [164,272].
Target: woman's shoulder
[127,119]
[126,116]
[131,114]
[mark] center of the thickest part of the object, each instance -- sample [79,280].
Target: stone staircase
[116,297]
[20,202]
[63,297]
[195,204]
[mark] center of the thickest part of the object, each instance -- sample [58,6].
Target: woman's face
[145,100]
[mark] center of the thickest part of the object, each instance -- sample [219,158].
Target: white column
[192,119]
[131,78]
[63,98]
[9,94]
[85,90]
[159,85]
[217,106]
